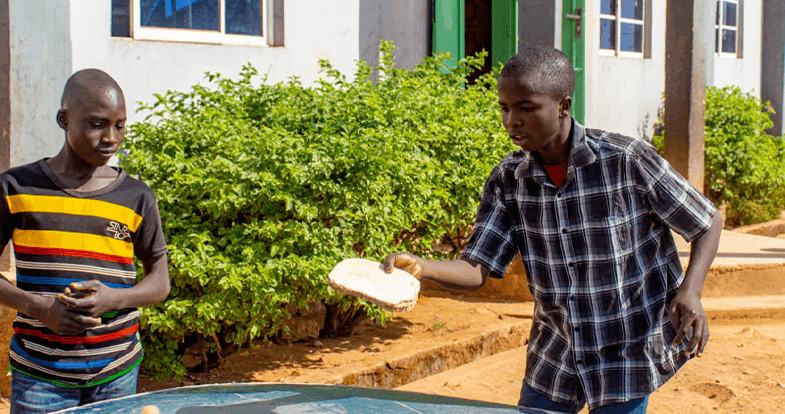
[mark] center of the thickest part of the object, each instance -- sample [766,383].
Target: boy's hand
[404,261]
[91,298]
[62,321]
[687,314]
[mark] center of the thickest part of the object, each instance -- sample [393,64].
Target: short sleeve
[150,242]
[491,243]
[6,221]
[679,205]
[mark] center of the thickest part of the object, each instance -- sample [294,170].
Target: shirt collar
[581,154]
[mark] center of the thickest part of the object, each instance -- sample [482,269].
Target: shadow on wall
[643,128]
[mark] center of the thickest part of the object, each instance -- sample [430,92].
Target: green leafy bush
[744,166]
[264,188]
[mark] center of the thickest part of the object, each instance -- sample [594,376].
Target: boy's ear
[565,106]
[62,118]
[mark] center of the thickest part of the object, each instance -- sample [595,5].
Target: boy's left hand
[687,314]
[91,298]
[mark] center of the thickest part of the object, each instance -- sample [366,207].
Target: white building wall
[623,94]
[40,63]
[744,72]
[314,29]
[51,39]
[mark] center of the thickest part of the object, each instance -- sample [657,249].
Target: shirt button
[571,264]
[558,195]
[579,362]
[563,230]
[577,329]
[572,298]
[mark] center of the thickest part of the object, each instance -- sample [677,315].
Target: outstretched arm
[686,310]
[458,274]
[94,298]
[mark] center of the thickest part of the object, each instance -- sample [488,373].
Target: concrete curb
[420,363]
[405,368]
[744,307]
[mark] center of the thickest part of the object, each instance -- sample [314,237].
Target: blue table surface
[289,399]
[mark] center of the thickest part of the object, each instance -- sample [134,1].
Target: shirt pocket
[609,233]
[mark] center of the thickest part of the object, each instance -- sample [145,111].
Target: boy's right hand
[404,261]
[61,320]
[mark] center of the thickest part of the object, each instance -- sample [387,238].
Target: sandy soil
[742,370]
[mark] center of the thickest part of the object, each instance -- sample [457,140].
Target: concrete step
[484,349]
[744,307]
[745,265]
[414,364]
[497,378]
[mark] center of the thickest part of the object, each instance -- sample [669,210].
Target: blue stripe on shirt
[59,364]
[59,281]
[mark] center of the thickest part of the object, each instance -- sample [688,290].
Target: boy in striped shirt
[76,224]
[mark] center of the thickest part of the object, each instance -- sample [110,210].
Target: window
[198,21]
[727,28]
[622,27]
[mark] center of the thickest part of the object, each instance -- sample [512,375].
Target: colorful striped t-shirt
[61,236]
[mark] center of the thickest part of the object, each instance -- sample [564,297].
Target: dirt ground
[742,369]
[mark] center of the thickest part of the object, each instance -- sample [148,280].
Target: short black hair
[548,70]
[85,82]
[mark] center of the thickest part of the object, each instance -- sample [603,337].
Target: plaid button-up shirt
[600,260]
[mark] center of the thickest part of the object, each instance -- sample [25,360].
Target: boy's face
[94,125]
[533,120]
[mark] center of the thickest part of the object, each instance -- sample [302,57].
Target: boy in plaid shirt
[591,213]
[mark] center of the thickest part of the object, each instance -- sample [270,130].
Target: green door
[448,32]
[573,45]
[504,30]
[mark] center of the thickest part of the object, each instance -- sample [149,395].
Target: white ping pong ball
[150,409]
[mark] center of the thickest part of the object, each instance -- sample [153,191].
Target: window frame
[220,37]
[719,26]
[617,22]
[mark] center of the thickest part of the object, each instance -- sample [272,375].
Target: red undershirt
[557,173]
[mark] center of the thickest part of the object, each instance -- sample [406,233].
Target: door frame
[575,48]
[504,30]
[447,29]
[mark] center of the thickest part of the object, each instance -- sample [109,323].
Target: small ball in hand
[150,409]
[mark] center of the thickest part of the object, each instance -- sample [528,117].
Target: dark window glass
[607,34]
[181,14]
[631,37]
[632,9]
[728,41]
[728,14]
[608,7]
[244,17]
[121,18]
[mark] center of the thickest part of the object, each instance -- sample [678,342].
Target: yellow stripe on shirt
[49,239]
[25,203]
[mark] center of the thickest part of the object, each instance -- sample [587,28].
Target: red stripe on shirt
[79,340]
[46,251]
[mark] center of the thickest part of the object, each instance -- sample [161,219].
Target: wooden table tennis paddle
[363,278]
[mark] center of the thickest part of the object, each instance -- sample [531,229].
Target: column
[689,48]
[772,74]
[536,23]
[5,107]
